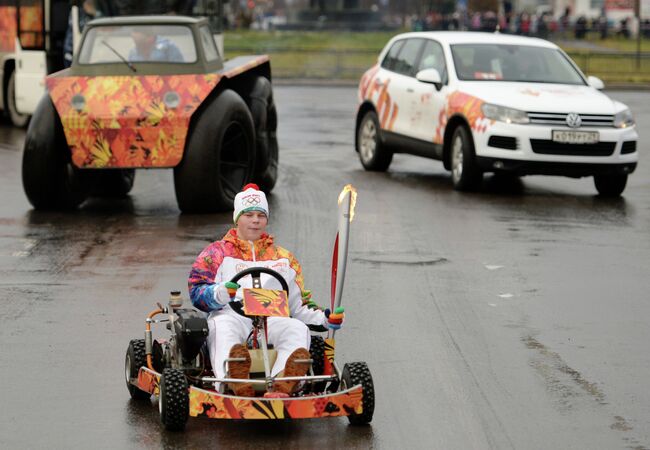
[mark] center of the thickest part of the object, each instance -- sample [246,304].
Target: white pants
[229,328]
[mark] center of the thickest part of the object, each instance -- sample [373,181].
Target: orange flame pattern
[123,120]
[466,105]
[266,302]
[217,406]
[7,28]
[370,87]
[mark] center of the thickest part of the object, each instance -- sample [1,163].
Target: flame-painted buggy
[178,371]
[152,92]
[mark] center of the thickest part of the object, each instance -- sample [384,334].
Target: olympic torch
[347,201]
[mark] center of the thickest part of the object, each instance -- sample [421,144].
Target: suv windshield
[492,62]
[138,44]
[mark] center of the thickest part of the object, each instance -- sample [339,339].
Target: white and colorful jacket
[222,260]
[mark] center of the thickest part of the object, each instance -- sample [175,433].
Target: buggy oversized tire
[110,182]
[50,180]
[465,174]
[610,185]
[358,373]
[17,119]
[174,401]
[135,358]
[373,153]
[260,101]
[219,156]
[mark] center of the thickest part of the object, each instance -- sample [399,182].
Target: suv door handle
[409,90]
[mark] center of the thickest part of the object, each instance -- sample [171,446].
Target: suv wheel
[465,174]
[610,185]
[373,154]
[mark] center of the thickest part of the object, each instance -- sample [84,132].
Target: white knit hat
[250,199]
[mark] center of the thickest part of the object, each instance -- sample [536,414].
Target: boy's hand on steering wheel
[335,319]
[308,302]
[224,293]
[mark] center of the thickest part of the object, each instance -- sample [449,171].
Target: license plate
[575,137]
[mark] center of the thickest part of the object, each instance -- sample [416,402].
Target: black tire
[219,156]
[269,177]
[110,182]
[135,358]
[174,401]
[358,373]
[17,119]
[317,352]
[260,102]
[610,185]
[49,178]
[465,174]
[373,154]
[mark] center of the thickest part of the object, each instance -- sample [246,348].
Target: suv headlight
[624,119]
[503,114]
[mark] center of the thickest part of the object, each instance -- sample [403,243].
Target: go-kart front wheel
[174,401]
[135,358]
[358,373]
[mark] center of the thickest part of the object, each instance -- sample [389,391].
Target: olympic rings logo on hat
[251,200]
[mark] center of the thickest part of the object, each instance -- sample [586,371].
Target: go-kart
[178,370]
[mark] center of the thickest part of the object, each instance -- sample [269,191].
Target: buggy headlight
[78,102]
[171,99]
[624,119]
[503,114]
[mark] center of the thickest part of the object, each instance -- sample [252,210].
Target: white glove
[222,294]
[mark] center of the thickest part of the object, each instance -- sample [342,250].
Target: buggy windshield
[138,44]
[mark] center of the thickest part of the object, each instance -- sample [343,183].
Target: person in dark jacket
[87,12]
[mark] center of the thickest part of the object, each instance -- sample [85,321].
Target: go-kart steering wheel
[256,272]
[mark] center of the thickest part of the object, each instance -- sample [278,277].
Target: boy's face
[251,225]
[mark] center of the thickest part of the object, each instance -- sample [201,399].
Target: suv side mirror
[431,76]
[595,82]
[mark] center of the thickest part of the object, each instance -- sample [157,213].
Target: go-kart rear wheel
[135,358]
[219,156]
[174,401]
[358,373]
[317,352]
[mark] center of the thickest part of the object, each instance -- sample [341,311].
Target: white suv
[484,102]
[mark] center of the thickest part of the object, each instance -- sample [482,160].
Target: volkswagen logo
[573,120]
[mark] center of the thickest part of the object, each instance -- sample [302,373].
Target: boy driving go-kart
[261,361]
[248,245]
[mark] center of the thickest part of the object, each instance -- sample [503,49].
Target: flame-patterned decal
[149,381]
[7,28]
[371,88]
[124,121]
[466,105]
[217,406]
[31,18]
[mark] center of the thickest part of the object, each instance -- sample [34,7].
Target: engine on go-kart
[190,332]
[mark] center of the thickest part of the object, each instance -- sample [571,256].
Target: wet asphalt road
[512,318]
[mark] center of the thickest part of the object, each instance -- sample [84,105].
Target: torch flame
[353,198]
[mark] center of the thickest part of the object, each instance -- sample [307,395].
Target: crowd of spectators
[543,25]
